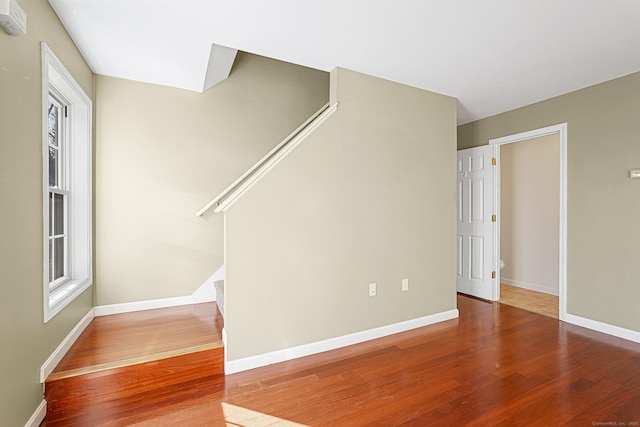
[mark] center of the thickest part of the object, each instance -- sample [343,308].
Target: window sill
[62,296]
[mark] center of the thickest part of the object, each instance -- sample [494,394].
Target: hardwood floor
[495,365]
[538,302]
[120,357]
[132,338]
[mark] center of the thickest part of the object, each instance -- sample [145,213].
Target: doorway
[530,197]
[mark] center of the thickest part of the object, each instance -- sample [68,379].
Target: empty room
[302,213]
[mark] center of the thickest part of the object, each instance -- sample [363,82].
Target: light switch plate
[634,173]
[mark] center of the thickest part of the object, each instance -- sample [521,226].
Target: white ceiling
[493,55]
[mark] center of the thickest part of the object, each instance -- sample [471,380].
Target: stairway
[219,286]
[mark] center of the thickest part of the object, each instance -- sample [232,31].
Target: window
[67,186]
[58,193]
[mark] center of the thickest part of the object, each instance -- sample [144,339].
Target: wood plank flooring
[120,355]
[538,302]
[110,341]
[494,366]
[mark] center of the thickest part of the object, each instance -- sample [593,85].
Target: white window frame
[77,152]
[61,189]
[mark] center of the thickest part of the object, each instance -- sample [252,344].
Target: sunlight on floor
[236,416]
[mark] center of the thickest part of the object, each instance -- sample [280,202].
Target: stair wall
[369,197]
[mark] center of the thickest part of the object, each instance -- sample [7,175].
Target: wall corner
[333,86]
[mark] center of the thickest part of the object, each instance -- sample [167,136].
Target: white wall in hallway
[529,234]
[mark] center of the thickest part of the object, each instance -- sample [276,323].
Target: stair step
[58,375]
[157,356]
[95,395]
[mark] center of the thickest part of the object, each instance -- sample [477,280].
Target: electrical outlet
[372,289]
[405,285]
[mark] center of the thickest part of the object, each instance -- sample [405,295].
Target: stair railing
[262,166]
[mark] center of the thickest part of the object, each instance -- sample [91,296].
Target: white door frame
[561,130]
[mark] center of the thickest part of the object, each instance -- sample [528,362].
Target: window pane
[53,167]
[58,247]
[54,120]
[53,130]
[50,214]
[50,260]
[58,214]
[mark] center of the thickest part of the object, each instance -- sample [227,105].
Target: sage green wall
[369,197]
[603,230]
[26,341]
[163,153]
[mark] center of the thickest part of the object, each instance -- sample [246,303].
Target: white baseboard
[49,365]
[205,293]
[239,365]
[606,328]
[38,416]
[127,307]
[224,347]
[530,286]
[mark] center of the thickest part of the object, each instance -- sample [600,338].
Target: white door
[476,267]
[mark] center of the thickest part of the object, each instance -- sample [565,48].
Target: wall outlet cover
[372,289]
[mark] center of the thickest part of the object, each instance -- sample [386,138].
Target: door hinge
[65,111]
[493,161]
[493,274]
[493,218]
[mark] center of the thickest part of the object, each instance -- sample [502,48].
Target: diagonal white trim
[260,162]
[265,165]
[238,186]
[38,416]
[49,365]
[239,365]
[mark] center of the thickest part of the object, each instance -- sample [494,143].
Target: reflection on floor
[134,363]
[537,302]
